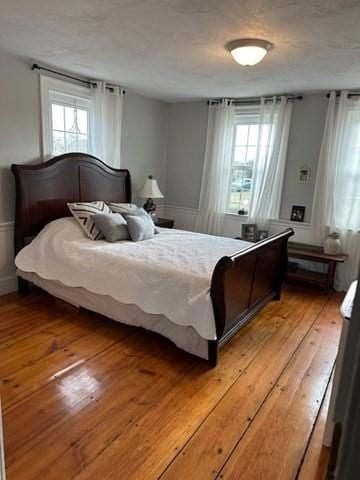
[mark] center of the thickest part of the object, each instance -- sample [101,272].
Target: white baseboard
[8,281]
[8,284]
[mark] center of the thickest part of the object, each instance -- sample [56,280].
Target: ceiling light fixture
[249,51]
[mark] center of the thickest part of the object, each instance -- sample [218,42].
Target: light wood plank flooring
[87,398]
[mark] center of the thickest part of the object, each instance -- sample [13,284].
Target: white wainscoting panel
[185,218]
[8,281]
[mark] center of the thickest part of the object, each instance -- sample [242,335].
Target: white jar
[332,244]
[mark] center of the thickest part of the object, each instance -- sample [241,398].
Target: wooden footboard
[245,282]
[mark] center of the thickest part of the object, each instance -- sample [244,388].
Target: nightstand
[164,223]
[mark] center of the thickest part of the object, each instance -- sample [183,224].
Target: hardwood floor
[87,398]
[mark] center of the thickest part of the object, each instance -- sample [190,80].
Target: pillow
[113,226]
[141,212]
[123,208]
[140,227]
[84,212]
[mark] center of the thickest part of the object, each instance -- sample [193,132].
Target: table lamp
[149,191]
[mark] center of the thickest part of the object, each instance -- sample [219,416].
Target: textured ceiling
[174,49]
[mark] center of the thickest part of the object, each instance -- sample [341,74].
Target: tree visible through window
[70,124]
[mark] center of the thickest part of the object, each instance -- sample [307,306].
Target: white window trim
[244,117]
[48,84]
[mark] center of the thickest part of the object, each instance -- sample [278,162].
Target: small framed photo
[304,175]
[297,213]
[262,234]
[249,232]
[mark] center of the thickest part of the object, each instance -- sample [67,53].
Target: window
[70,123]
[246,147]
[67,116]
[246,131]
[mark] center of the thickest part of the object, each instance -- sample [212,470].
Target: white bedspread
[169,274]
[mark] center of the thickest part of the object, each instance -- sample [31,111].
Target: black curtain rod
[251,101]
[350,95]
[35,66]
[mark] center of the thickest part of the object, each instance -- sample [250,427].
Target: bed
[211,291]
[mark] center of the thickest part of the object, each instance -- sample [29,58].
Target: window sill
[232,214]
[279,221]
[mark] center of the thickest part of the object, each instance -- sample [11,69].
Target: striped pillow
[123,208]
[84,211]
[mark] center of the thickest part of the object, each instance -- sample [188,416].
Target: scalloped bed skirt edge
[185,338]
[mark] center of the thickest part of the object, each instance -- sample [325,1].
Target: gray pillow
[140,212]
[136,212]
[140,227]
[113,226]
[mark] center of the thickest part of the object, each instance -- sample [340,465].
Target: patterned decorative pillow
[123,208]
[84,211]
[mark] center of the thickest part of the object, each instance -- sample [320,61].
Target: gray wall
[144,131]
[144,140]
[307,127]
[186,148]
[187,137]
[19,125]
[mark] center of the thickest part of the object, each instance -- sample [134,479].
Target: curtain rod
[350,95]
[257,100]
[35,66]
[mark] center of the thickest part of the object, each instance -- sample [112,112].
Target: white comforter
[169,274]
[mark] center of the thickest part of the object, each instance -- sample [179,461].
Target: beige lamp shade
[150,189]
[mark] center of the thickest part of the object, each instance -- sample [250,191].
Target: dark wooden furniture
[241,284]
[314,254]
[164,223]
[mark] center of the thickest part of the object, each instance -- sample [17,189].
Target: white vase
[332,244]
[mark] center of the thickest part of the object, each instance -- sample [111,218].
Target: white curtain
[106,137]
[269,166]
[336,205]
[217,168]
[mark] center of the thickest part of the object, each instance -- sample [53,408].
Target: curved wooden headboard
[43,190]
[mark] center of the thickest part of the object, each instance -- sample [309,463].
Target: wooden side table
[164,223]
[314,254]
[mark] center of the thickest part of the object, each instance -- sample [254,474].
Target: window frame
[245,116]
[50,87]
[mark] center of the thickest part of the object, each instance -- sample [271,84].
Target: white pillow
[83,213]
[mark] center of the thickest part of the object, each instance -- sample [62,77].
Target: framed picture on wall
[249,232]
[304,175]
[297,213]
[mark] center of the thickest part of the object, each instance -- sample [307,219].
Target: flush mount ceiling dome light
[249,51]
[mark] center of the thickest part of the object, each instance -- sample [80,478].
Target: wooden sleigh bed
[241,284]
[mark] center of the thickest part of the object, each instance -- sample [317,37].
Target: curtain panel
[269,165]
[106,138]
[336,206]
[217,168]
